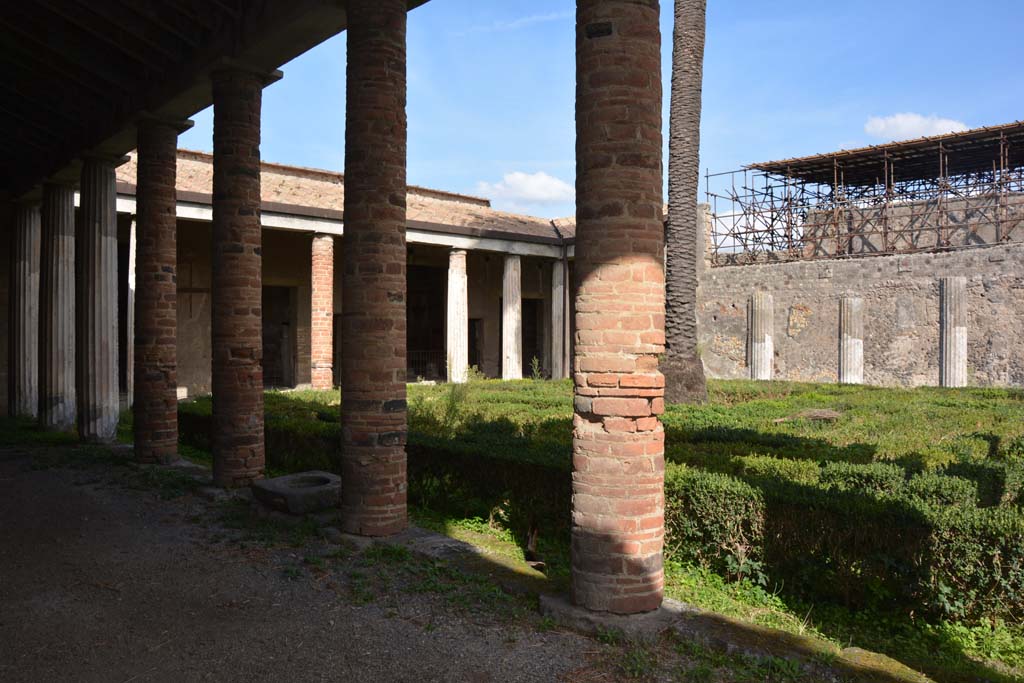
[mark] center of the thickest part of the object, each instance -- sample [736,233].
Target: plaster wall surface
[286,263]
[901,316]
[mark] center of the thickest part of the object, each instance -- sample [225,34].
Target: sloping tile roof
[310,191]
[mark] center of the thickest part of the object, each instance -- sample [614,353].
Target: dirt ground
[103,580]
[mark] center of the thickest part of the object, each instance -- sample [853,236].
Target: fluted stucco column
[458,317]
[373,364]
[512,319]
[96,293]
[24,328]
[155,364]
[762,348]
[851,340]
[618,441]
[953,332]
[559,318]
[237,292]
[129,349]
[57,402]
[322,312]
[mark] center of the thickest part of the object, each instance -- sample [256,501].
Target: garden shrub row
[947,542]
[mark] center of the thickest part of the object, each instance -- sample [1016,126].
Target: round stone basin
[308,482]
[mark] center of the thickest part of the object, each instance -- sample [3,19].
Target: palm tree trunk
[682,366]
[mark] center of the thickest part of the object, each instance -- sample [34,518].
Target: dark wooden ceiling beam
[111,31]
[66,50]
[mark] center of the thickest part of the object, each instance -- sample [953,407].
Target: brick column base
[373,363]
[618,441]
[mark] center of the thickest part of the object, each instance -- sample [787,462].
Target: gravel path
[99,582]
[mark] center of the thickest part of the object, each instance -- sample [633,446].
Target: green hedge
[857,534]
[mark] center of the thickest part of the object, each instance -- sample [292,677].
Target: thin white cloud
[528,188]
[515,24]
[908,125]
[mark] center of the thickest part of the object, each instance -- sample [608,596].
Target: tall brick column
[57,402]
[24,328]
[156,296]
[237,293]
[96,294]
[322,327]
[373,362]
[618,441]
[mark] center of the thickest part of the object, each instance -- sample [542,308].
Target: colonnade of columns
[618,508]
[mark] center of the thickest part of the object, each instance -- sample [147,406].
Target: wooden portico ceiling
[79,73]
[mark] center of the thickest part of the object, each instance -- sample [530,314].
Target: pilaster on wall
[322,296]
[953,332]
[373,413]
[618,441]
[762,344]
[238,448]
[851,340]
[96,293]
[24,309]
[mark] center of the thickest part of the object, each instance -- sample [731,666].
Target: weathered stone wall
[901,316]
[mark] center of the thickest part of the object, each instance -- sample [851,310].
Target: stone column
[156,302]
[373,365]
[129,350]
[512,319]
[559,366]
[618,441]
[322,327]
[237,292]
[762,350]
[24,307]
[851,340]
[458,317]
[96,294]
[57,402]
[953,332]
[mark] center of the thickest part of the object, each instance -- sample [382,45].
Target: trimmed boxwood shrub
[713,520]
[938,489]
[875,477]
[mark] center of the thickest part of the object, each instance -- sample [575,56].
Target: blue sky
[491,86]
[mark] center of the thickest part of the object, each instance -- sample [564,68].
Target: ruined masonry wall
[901,316]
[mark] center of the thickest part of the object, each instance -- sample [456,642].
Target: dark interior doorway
[533,334]
[425,316]
[279,359]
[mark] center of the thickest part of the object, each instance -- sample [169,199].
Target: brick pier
[373,411]
[618,441]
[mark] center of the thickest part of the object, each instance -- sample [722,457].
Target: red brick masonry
[618,442]
[373,411]
[322,329]
[156,296]
[236,315]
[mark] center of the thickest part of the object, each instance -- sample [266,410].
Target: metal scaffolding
[936,193]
